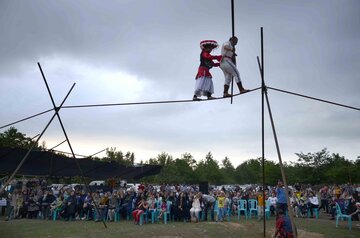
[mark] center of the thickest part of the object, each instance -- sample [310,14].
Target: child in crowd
[221,205]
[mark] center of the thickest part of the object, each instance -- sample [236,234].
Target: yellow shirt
[260,200]
[221,202]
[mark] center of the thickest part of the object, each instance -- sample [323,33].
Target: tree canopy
[320,167]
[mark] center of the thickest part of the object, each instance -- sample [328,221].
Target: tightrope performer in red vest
[204,85]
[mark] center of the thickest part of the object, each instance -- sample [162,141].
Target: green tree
[313,165]
[249,172]
[12,138]
[208,170]
[272,172]
[118,156]
[338,170]
[227,171]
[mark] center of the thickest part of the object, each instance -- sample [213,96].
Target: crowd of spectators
[186,203]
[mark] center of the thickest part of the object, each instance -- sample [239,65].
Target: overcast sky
[148,50]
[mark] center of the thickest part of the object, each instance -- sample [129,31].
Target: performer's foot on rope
[195,98]
[244,91]
[227,95]
[211,97]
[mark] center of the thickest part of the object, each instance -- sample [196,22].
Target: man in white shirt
[228,67]
[313,202]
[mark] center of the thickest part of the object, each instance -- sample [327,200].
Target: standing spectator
[281,197]
[209,202]
[260,201]
[180,207]
[313,202]
[324,196]
[11,203]
[337,191]
[221,205]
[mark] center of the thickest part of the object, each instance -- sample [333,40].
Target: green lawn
[244,228]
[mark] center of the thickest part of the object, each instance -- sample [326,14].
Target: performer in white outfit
[228,67]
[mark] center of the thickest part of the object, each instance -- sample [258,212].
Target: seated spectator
[195,208]
[273,201]
[57,205]
[302,207]
[113,203]
[87,207]
[163,208]
[103,206]
[46,200]
[70,206]
[33,207]
[353,206]
[356,212]
[25,205]
[141,207]
[294,202]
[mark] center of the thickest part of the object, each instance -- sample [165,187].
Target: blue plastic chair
[267,209]
[228,211]
[242,206]
[143,217]
[253,207]
[216,209]
[315,210]
[340,215]
[167,213]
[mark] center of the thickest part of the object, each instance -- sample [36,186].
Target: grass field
[244,228]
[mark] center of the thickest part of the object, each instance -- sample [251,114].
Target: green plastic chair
[340,215]
[242,206]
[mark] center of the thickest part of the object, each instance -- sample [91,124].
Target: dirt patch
[301,234]
[232,224]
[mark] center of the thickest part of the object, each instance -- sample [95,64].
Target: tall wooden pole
[262,127]
[233,34]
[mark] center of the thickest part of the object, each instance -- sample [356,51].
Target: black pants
[209,206]
[325,205]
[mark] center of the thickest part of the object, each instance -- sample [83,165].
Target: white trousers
[230,70]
